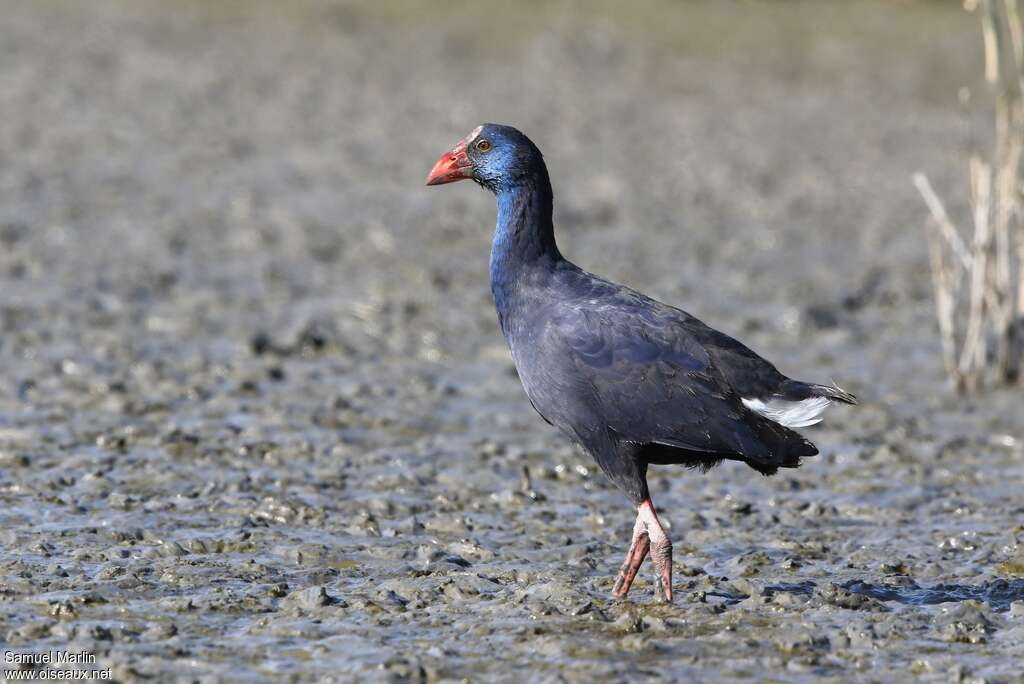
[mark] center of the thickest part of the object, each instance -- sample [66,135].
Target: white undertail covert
[792,414]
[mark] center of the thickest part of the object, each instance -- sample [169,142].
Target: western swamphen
[632,380]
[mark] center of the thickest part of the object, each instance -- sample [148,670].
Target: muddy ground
[257,422]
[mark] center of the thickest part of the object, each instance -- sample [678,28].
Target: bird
[633,381]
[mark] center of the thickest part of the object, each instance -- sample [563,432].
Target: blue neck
[524,239]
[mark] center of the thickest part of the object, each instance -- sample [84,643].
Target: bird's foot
[648,536]
[638,548]
[661,554]
[661,548]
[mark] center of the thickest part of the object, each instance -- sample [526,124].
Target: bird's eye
[483,145]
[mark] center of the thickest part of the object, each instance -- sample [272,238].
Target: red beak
[453,166]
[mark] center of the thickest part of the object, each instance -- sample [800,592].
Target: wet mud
[257,422]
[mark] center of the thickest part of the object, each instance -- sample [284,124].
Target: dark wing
[750,375]
[655,382]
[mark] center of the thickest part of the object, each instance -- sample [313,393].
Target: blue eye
[483,145]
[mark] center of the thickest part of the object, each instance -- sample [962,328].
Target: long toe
[634,559]
[661,554]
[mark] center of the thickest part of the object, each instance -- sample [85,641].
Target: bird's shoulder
[599,315]
[605,323]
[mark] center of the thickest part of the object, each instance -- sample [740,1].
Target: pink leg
[661,548]
[638,548]
[648,535]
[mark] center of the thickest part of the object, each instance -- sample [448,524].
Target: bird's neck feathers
[524,238]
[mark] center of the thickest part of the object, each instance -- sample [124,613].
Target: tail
[787,448]
[794,390]
[796,404]
[834,392]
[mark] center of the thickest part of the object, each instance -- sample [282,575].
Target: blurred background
[257,420]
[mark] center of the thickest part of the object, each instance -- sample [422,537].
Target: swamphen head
[495,156]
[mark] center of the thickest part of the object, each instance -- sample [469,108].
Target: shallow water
[256,419]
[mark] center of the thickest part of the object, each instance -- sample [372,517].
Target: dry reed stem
[976,288]
[973,352]
[991,38]
[944,303]
[1016,31]
[942,221]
